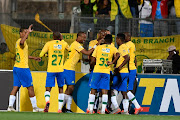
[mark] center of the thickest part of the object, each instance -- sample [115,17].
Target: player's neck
[77,40]
[107,43]
[121,44]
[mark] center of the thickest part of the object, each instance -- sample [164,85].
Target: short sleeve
[45,49]
[67,46]
[94,54]
[115,51]
[79,47]
[124,51]
[90,45]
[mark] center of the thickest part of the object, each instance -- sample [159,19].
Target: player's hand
[99,42]
[37,59]
[109,63]
[30,28]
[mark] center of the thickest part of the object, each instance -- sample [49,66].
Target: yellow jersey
[92,43]
[21,55]
[132,49]
[55,49]
[123,50]
[103,53]
[73,56]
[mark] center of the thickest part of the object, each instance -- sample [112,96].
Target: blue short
[50,79]
[22,76]
[146,30]
[132,77]
[69,76]
[90,78]
[100,81]
[120,82]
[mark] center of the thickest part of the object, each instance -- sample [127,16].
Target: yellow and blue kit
[55,49]
[101,73]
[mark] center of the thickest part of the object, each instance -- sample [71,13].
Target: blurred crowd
[155,15]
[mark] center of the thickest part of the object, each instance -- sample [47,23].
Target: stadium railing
[74,26]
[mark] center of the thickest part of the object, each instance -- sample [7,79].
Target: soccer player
[55,49]
[69,66]
[132,72]
[122,72]
[101,35]
[103,55]
[21,71]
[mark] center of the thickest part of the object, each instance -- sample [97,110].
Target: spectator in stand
[177,9]
[133,4]
[104,11]
[134,8]
[174,56]
[159,12]
[87,11]
[122,9]
[146,27]
[3,48]
[104,7]
[171,15]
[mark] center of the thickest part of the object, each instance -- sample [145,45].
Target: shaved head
[127,36]
[102,33]
[56,35]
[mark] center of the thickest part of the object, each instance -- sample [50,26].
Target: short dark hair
[21,30]
[80,33]
[3,43]
[108,38]
[121,36]
[56,35]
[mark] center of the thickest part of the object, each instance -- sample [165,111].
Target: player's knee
[14,90]
[60,89]
[30,89]
[71,87]
[48,89]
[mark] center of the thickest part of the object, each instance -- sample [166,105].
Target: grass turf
[74,116]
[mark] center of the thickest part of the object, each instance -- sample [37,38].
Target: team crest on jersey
[58,47]
[106,50]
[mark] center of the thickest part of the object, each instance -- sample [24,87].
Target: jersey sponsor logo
[106,50]
[58,47]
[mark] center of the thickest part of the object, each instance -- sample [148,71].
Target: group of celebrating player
[103,56]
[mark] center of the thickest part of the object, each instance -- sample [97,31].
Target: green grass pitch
[74,116]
